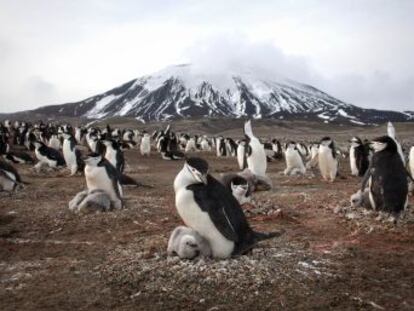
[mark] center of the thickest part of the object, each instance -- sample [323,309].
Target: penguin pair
[205,205]
[166,152]
[358,157]
[386,177]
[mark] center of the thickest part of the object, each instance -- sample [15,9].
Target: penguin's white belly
[205,146]
[97,178]
[69,155]
[293,160]
[352,161]
[257,162]
[110,155]
[240,156]
[200,221]
[411,159]
[145,146]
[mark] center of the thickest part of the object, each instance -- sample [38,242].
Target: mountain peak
[190,90]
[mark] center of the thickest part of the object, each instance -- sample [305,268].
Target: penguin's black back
[389,185]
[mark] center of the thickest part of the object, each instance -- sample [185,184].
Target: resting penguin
[18,157]
[386,177]
[294,162]
[51,157]
[256,157]
[358,157]
[101,174]
[114,154]
[72,154]
[240,189]
[186,243]
[9,177]
[328,163]
[206,206]
[145,146]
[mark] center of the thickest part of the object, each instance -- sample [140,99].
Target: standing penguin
[328,163]
[54,142]
[72,154]
[242,150]
[101,174]
[220,147]
[114,154]
[358,157]
[256,158]
[294,161]
[386,177]
[145,146]
[205,205]
[52,157]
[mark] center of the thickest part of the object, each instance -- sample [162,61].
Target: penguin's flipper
[222,207]
[127,180]
[260,236]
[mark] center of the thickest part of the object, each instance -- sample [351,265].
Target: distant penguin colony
[210,208]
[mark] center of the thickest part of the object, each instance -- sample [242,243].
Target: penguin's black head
[356,141]
[383,143]
[92,159]
[291,145]
[326,141]
[198,168]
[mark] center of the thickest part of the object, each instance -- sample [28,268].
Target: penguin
[90,201]
[9,177]
[166,154]
[358,157]
[386,177]
[19,157]
[242,150]
[240,189]
[72,155]
[294,161]
[54,142]
[231,147]
[314,151]
[186,243]
[114,154]
[101,174]
[220,147]
[328,163]
[256,157]
[205,144]
[277,148]
[52,157]
[191,145]
[391,133]
[145,146]
[206,206]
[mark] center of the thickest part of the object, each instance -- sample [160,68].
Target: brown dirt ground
[51,259]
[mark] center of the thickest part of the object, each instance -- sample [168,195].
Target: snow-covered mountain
[183,91]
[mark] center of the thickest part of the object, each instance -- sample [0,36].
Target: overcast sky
[53,52]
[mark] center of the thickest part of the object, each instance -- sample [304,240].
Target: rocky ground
[330,257]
